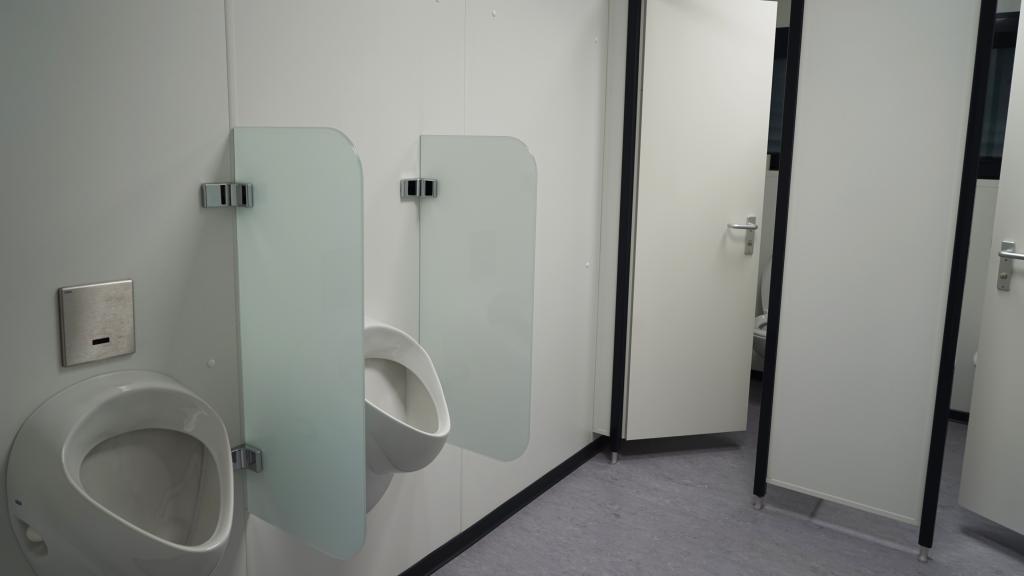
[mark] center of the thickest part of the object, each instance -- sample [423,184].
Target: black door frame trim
[958,271]
[623,292]
[796,29]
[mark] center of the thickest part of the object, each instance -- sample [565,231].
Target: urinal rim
[440,403]
[225,512]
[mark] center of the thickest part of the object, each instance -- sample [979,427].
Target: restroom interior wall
[113,113]
[385,73]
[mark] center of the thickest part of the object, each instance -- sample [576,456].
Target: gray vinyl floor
[684,508]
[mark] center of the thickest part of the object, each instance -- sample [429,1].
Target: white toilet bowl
[760,334]
[761,322]
[123,474]
[402,442]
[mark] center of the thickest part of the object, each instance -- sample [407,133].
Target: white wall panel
[383,73]
[536,70]
[880,130]
[112,114]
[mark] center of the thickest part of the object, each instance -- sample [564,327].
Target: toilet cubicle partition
[879,164]
[300,287]
[477,238]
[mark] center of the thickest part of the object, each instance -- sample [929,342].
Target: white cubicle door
[994,460]
[704,134]
[882,107]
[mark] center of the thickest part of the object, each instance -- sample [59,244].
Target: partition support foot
[922,553]
[614,457]
[758,502]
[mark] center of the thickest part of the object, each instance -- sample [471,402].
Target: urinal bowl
[396,442]
[123,474]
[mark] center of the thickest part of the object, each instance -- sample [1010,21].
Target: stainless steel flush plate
[97,321]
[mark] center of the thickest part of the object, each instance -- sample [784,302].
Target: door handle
[1007,254]
[750,227]
[754,227]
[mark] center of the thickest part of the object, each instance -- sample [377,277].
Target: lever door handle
[750,226]
[1007,254]
[754,227]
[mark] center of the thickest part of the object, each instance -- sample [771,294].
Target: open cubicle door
[707,76]
[991,484]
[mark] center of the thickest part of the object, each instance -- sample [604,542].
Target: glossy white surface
[993,458]
[78,477]
[706,95]
[881,123]
[410,439]
[161,481]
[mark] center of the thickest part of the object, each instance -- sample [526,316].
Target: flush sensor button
[97,321]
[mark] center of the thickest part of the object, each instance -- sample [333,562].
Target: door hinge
[246,457]
[224,194]
[415,188]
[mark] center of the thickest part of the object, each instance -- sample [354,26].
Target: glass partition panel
[300,288]
[476,286]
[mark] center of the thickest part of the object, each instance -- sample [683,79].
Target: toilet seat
[761,322]
[82,535]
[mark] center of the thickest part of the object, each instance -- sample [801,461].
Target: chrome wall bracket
[1007,254]
[225,194]
[416,188]
[246,457]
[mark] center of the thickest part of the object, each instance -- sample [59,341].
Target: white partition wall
[884,94]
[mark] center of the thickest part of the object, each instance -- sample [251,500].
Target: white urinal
[409,438]
[123,474]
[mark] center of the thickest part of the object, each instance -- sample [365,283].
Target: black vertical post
[796,25]
[630,124]
[958,272]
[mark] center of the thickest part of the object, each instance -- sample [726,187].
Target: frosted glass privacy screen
[476,286]
[300,284]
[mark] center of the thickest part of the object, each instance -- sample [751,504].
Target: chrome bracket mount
[416,188]
[246,457]
[226,194]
